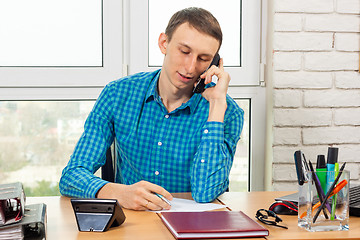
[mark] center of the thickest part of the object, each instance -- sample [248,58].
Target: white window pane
[36,141]
[227,13]
[239,174]
[51,33]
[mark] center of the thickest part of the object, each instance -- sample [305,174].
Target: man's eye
[204,60]
[184,52]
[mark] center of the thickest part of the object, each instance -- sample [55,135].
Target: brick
[284,172]
[348,6]
[287,98]
[347,41]
[331,61]
[331,135]
[332,98]
[285,186]
[285,154]
[302,79]
[347,80]
[347,116]
[302,117]
[349,153]
[309,41]
[332,23]
[318,6]
[354,170]
[282,60]
[287,22]
[287,136]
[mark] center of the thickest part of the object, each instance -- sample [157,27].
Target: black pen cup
[315,214]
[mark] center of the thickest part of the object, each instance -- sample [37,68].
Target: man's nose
[191,62]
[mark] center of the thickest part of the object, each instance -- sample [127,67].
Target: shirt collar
[152,94]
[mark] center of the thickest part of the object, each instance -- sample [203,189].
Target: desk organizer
[334,216]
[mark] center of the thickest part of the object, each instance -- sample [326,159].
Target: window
[48,38]
[239,174]
[41,48]
[36,141]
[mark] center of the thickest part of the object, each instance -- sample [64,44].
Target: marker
[163,198]
[332,158]
[321,170]
[333,203]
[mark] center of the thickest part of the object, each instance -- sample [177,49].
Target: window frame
[56,83]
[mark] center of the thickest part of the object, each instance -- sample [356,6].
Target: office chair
[107,170]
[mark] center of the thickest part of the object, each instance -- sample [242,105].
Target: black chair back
[107,170]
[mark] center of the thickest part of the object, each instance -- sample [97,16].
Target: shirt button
[159,143]
[206,131]
[202,160]
[167,116]
[157,173]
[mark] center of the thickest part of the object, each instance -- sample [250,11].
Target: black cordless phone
[200,86]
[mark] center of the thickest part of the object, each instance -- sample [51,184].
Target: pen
[333,203]
[319,189]
[162,198]
[329,192]
[336,190]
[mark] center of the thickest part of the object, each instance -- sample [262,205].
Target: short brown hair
[199,18]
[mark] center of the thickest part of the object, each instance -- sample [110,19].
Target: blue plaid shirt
[180,151]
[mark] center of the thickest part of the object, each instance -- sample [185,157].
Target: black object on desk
[97,215]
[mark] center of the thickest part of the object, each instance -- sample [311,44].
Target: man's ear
[162,42]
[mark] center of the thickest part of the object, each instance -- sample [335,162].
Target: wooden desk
[61,223]
[139,225]
[251,202]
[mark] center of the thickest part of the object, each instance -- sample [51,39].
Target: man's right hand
[138,196]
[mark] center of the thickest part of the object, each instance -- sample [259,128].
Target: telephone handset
[200,86]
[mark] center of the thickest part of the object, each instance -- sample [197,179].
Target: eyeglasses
[264,216]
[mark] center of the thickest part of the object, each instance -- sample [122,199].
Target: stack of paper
[186,205]
[12,232]
[18,221]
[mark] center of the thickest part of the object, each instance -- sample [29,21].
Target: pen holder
[334,216]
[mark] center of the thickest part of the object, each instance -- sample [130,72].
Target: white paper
[186,205]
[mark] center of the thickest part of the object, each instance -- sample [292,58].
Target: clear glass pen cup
[334,215]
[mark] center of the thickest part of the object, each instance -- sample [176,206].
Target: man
[168,138]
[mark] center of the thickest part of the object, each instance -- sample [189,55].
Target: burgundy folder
[214,224]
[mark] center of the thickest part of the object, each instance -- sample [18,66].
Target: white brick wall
[347,41]
[316,84]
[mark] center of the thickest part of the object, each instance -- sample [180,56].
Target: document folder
[12,200]
[32,226]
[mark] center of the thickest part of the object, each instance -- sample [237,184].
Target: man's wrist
[107,191]
[217,110]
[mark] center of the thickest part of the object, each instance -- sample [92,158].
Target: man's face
[187,55]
